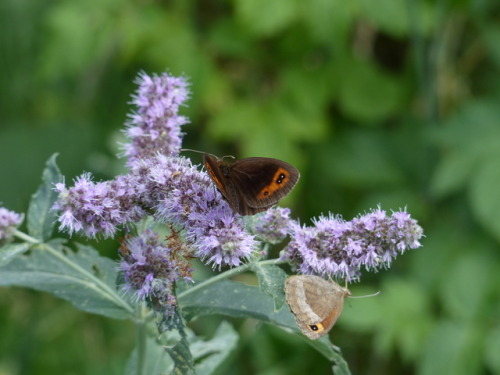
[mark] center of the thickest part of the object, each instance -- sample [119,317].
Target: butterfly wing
[315,302]
[262,182]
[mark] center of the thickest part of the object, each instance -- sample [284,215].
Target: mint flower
[186,197]
[272,226]
[339,249]
[156,125]
[150,269]
[97,208]
[9,221]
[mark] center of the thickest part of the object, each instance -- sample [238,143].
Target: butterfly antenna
[368,295]
[189,149]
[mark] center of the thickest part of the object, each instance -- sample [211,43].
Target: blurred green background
[375,101]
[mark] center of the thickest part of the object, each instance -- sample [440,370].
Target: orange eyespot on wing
[279,181]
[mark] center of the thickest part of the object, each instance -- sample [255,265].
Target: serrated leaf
[83,278]
[271,280]
[244,301]
[213,352]
[41,217]
[10,251]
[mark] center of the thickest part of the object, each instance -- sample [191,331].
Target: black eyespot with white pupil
[314,327]
[280,179]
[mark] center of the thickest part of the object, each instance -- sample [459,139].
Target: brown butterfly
[252,185]
[315,302]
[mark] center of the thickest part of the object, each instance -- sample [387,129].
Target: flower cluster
[9,221]
[337,248]
[169,188]
[97,208]
[273,225]
[150,269]
[187,198]
[155,127]
[159,183]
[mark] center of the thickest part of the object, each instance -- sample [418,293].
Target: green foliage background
[387,101]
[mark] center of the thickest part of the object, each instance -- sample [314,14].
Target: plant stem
[227,274]
[25,237]
[141,340]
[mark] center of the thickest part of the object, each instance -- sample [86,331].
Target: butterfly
[251,185]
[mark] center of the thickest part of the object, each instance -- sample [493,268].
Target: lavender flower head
[273,225]
[97,208]
[150,269]
[9,221]
[156,125]
[338,249]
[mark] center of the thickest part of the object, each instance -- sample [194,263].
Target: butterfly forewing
[267,179]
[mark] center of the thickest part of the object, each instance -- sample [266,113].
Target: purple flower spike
[338,248]
[150,269]
[97,208]
[156,125]
[273,225]
[181,195]
[9,221]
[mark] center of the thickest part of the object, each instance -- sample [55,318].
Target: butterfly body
[252,185]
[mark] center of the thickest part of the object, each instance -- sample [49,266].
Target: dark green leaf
[84,278]
[485,198]
[179,351]
[41,217]
[10,251]
[212,353]
[245,301]
[271,279]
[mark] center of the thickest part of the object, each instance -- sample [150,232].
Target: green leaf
[41,217]
[266,17]
[244,301]
[478,266]
[212,353]
[484,196]
[155,359]
[271,280]
[208,355]
[83,278]
[10,251]
[452,348]
[492,349]
[368,94]
[179,351]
